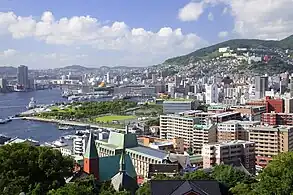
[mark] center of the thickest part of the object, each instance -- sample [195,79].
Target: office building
[270,141]
[22,76]
[261,86]
[232,153]
[176,106]
[234,130]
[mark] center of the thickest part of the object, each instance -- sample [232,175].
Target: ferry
[32,104]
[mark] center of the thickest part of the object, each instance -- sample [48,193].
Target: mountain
[75,68]
[286,43]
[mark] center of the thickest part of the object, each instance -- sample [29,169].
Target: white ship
[32,104]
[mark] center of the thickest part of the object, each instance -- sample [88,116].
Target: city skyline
[56,34]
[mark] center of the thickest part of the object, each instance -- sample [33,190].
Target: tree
[26,168]
[277,177]
[197,175]
[229,176]
[73,189]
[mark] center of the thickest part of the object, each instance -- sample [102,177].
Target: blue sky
[130,32]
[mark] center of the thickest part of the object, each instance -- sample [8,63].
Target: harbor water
[14,103]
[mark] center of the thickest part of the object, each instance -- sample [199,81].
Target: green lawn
[111,118]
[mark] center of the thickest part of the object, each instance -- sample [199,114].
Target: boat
[65,127]
[32,104]
[59,143]
[4,121]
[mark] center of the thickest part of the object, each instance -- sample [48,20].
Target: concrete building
[193,134]
[212,94]
[176,106]
[231,153]
[277,119]
[79,144]
[270,141]
[252,113]
[234,130]
[22,76]
[172,126]
[203,134]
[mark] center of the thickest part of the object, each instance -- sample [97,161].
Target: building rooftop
[229,122]
[159,154]
[224,114]
[191,112]
[271,128]
[180,101]
[229,143]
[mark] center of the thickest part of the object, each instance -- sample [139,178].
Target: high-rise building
[261,86]
[172,107]
[237,153]
[22,76]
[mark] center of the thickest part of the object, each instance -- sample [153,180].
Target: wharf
[62,122]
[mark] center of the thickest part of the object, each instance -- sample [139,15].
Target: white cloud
[191,11]
[92,35]
[8,53]
[263,19]
[211,16]
[223,34]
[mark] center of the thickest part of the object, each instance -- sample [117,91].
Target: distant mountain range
[286,43]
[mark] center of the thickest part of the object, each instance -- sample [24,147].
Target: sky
[93,33]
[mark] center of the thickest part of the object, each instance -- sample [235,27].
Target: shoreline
[63,122]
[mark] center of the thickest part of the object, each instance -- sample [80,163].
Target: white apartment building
[194,135]
[79,144]
[234,130]
[232,153]
[211,94]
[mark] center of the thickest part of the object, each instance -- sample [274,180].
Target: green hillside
[286,43]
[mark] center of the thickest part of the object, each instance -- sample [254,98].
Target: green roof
[127,140]
[91,149]
[109,166]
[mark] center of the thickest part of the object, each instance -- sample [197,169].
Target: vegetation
[33,170]
[111,118]
[41,170]
[149,110]
[286,43]
[153,122]
[88,110]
